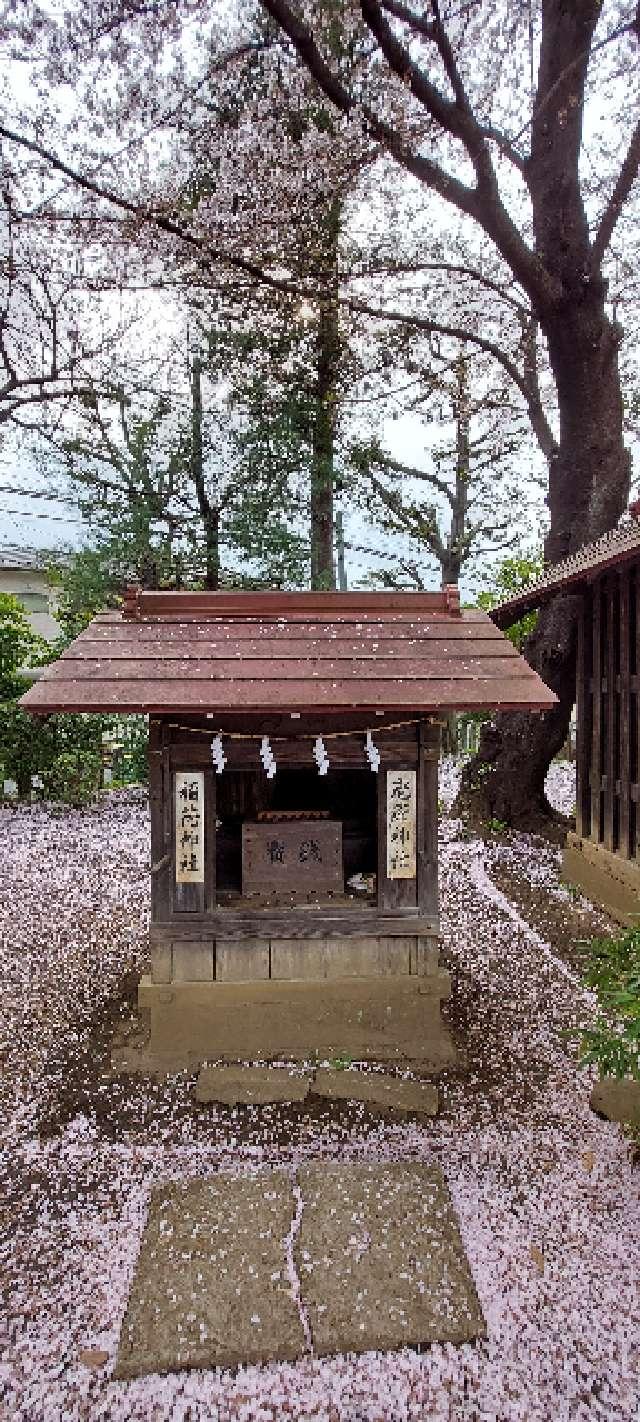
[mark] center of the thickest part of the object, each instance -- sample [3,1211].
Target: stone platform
[366,1018]
[606,878]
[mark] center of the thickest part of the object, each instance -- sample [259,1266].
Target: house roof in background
[620,545]
[24,558]
[28,559]
[266,652]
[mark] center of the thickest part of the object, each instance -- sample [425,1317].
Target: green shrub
[20,647]
[613,1043]
[126,738]
[509,578]
[74,777]
[65,751]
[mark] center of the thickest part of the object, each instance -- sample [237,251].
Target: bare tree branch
[156,219]
[424,522]
[526,383]
[482,203]
[457,118]
[443,328]
[417,23]
[8,406]
[385,461]
[539,422]
[451,114]
[624,183]
[454,269]
[422,168]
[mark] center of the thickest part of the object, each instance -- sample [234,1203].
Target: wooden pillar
[161,855]
[395,893]
[159,788]
[427,810]
[192,959]
[625,836]
[596,740]
[610,670]
[199,898]
[584,713]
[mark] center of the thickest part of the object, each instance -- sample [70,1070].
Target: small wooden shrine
[603,856]
[294,741]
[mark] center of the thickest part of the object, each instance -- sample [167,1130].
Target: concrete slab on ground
[210,1287]
[618,1099]
[376,1249]
[380,1259]
[251,1086]
[377,1089]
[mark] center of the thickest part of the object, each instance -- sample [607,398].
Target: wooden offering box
[293,857]
[293,784]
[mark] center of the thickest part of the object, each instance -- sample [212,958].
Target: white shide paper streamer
[320,755]
[267,757]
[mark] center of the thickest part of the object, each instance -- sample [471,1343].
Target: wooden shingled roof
[255,651]
[621,545]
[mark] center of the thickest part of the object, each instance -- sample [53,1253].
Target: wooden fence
[608,713]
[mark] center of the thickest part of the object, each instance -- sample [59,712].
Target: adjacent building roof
[256,651]
[620,545]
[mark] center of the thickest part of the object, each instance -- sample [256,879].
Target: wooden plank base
[293,958]
[248,960]
[297,922]
[380,1019]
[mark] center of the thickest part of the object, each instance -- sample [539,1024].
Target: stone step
[236,1085]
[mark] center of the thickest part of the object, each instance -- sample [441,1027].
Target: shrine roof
[621,545]
[264,651]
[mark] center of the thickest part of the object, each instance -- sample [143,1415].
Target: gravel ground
[546,1194]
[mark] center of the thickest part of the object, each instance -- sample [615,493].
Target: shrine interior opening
[343,797]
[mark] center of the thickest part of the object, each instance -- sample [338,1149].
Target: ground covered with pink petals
[547,1197]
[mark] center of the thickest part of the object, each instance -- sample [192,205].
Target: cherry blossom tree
[512,118]
[61,324]
[448,96]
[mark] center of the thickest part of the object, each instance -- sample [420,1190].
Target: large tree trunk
[505,780]
[324,411]
[588,490]
[589,470]
[562,277]
[322,456]
[209,512]
[456,551]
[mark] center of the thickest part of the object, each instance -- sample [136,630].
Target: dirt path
[545,1193]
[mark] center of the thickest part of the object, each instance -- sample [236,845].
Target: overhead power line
[50,518]
[37,494]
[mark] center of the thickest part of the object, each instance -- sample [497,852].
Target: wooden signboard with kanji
[401,824]
[189,821]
